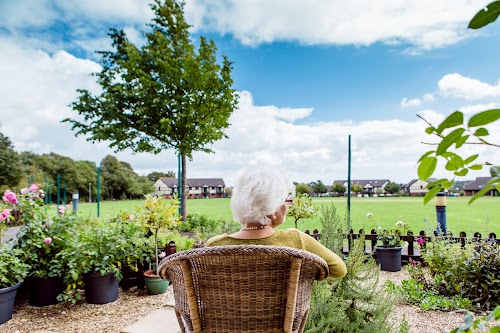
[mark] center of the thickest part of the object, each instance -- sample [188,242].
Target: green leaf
[425,155]
[495,171]
[476,167]
[431,194]
[460,142]
[482,132]
[484,118]
[454,119]
[470,159]
[429,130]
[462,172]
[448,140]
[427,167]
[485,17]
[482,192]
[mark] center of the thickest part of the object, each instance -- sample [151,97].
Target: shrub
[354,303]
[482,278]
[205,227]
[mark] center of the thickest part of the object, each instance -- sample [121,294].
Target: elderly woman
[259,203]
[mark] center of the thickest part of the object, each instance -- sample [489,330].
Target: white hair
[258,194]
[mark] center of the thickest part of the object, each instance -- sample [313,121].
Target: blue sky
[308,75]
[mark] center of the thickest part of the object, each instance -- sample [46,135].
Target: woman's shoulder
[215,240]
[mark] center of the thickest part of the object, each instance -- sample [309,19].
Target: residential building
[195,187]
[475,186]
[417,187]
[370,186]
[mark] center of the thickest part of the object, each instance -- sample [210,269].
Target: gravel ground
[133,305]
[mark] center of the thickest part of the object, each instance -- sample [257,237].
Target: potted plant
[94,262]
[389,253]
[156,214]
[40,239]
[12,273]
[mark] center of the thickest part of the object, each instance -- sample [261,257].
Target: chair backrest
[242,288]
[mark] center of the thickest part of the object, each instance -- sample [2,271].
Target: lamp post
[441,212]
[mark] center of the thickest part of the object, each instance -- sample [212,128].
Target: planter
[44,291]
[389,258]
[100,289]
[154,284]
[7,300]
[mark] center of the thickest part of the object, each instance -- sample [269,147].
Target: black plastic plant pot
[44,291]
[7,300]
[100,289]
[389,258]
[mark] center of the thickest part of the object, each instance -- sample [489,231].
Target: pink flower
[9,197]
[24,190]
[33,188]
[162,255]
[61,209]
[131,217]
[4,215]
[47,240]
[420,241]
[68,206]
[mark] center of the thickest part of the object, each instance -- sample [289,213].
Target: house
[418,187]
[370,186]
[475,186]
[195,187]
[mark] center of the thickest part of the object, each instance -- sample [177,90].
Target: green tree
[162,95]
[10,163]
[338,188]
[456,131]
[302,189]
[302,208]
[115,177]
[155,175]
[392,188]
[356,188]
[319,187]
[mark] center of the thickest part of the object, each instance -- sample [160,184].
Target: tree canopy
[10,164]
[163,94]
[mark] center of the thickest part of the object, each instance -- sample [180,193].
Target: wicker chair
[242,288]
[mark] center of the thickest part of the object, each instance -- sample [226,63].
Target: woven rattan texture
[241,288]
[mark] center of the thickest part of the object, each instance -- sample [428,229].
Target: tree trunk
[183,185]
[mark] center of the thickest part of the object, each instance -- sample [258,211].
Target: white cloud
[471,109]
[457,85]
[416,101]
[424,23]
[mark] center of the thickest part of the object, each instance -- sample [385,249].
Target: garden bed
[135,304]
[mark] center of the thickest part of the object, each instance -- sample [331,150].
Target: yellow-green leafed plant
[302,208]
[158,213]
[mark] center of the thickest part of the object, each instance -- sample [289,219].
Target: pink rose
[24,190]
[68,206]
[61,209]
[4,215]
[33,188]
[47,240]
[9,197]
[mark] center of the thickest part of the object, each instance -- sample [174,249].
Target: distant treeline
[118,179]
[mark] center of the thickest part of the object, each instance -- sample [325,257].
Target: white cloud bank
[420,24]
[457,85]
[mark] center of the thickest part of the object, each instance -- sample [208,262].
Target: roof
[477,184]
[194,182]
[364,182]
[413,181]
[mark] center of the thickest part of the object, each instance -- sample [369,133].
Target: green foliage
[414,292]
[302,208]
[155,175]
[182,243]
[356,188]
[481,323]
[482,278]
[12,269]
[206,228]
[485,17]
[338,188]
[302,189]
[392,188]
[390,237]
[354,303]
[9,163]
[455,131]
[319,188]
[160,95]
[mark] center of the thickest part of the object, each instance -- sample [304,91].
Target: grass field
[483,215]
